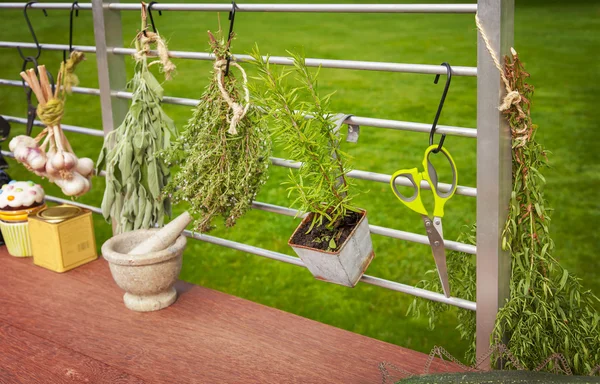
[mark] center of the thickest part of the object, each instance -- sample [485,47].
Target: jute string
[51,106]
[71,80]
[145,39]
[512,96]
[237,109]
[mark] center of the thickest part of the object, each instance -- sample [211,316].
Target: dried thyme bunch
[223,153]
[135,176]
[549,311]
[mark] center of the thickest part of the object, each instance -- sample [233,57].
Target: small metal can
[62,237]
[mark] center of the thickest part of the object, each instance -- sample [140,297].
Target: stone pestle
[163,238]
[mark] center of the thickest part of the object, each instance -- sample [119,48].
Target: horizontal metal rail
[382,178]
[324,8]
[325,63]
[375,229]
[388,284]
[364,121]
[65,127]
[285,163]
[65,201]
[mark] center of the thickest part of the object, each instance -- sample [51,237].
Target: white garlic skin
[21,153]
[76,186]
[85,166]
[22,141]
[70,160]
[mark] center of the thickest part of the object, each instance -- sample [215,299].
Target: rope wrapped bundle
[223,153]
[135,176]
[59,164]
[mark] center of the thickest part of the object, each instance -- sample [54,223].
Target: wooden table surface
[74,328]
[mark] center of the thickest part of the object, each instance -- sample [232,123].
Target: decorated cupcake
[17,200]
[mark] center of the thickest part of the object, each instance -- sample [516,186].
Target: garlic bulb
[22,141]
[36,159]
[85,166]
[58,161]
[50,170]
[70,160]
[75,186]
[21,153]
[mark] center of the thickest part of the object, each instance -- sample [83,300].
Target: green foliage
[135,176]
[548,310]
[320,186]
[499,377]
[220,173]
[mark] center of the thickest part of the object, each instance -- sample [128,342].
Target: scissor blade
[436,241]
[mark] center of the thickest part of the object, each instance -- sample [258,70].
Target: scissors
[433,223]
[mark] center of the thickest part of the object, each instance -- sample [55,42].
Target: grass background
[557,41]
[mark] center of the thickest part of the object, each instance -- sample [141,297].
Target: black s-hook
[230,34]
[150,14]
[74,9]
[440,107]
[35,40]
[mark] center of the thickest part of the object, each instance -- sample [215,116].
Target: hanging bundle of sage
[135,175]
[224,150]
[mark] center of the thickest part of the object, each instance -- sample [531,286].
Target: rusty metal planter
[344,266]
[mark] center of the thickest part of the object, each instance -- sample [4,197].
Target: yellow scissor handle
[430,175]
[414,201]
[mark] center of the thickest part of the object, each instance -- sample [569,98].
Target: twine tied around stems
[70,79]
[237,109]
[51,113]
[512,95]
[145,38]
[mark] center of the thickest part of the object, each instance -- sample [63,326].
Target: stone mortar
[147,279]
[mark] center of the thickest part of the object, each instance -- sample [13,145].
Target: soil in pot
[319,237]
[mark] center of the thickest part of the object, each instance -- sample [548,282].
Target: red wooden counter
[74,328]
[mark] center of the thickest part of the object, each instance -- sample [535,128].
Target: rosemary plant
[135,176]
[223,157]
[549,311]
[321,185]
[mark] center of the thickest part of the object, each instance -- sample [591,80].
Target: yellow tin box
[62,237]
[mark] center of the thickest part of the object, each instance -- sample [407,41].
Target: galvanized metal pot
[147,279]
[344,266]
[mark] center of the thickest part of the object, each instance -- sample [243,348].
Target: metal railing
[493,139]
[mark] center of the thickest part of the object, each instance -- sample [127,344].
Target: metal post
[111,68]
[493,169]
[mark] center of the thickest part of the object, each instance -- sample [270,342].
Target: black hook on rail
[230,34]
[440,107]
[150,14]
[74,9]
[35,40]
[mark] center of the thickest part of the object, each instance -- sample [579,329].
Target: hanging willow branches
[549,310]
[223,154]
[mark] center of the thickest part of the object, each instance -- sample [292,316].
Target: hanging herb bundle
[548,311]
[135,175]
[223,153]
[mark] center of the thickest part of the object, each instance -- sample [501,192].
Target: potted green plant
[333,240]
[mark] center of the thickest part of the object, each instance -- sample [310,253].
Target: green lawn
[559,44]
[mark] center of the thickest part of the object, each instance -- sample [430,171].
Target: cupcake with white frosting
[18,199]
